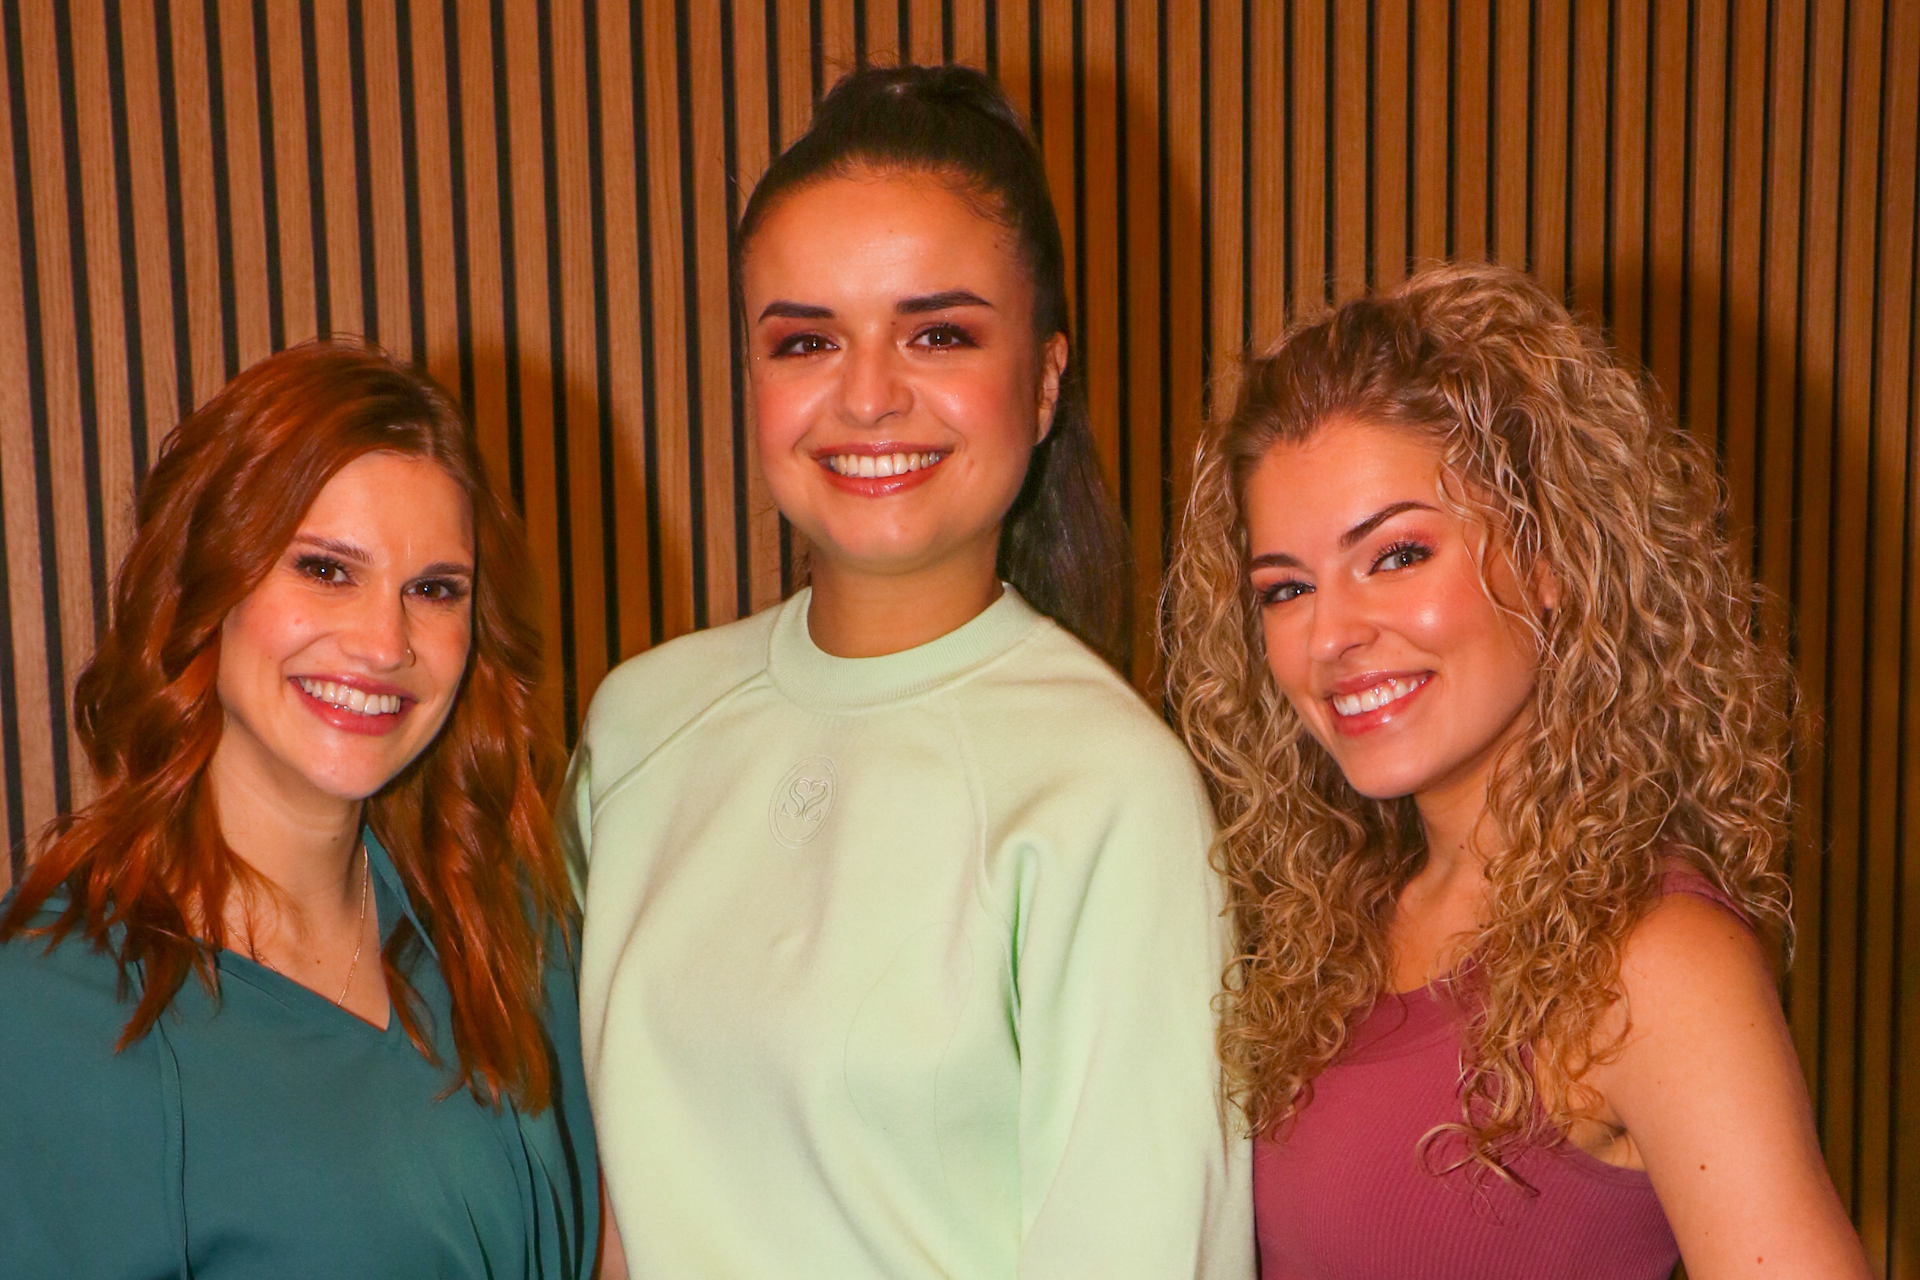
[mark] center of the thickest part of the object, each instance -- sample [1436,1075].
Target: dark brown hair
[1062,545]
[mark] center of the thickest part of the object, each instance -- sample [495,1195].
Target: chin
[1383,783]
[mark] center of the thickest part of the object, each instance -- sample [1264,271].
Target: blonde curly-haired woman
[1471,672]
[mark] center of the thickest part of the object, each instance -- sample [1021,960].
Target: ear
[1053,366]
[1545,588]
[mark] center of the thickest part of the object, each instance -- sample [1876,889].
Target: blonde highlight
[1659,724]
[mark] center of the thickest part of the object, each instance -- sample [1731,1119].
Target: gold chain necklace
[366,886]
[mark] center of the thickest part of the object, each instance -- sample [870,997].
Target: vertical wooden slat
[1141,311]
[1222,204]
[1745,202]
[536,199]
[710,301]
[535,291]
[1512,61]
[1848,272]
[1812,565]
[673,478]
[923,44]
[333,77]
[752,102]
[1666,208]
[1552,90]
[1470,105]
[1347,183]
[385,175]
[1266,176]
[60,448]
[627,371]
[1698,395]
[576,394]
[1186,329]
[109,389]
[439,202]
[1308,126]
[1429,69]
[1587,157]
[1632,119]
[1898,419]
[287,77]
[29,764]
[1111,212]
[247,215]
[970,32]
[1394,124]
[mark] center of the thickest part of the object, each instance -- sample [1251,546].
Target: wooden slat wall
[534,200]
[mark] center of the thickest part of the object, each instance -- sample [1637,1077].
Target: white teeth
[348,698]
[880,466]
[1353,704]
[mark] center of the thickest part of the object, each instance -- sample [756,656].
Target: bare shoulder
[1706,1084]
[1689,946]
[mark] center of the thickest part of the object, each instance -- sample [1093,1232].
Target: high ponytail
[1062,546]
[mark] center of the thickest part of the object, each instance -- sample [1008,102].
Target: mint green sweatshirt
[901,966]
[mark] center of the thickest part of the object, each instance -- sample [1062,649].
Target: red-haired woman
[293,996]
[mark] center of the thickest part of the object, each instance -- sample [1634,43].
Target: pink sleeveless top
[1347,1191]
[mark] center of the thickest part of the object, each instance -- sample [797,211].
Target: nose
[1339,623]
[376,632]
[873,386]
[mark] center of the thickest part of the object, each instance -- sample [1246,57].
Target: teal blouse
[269,1132]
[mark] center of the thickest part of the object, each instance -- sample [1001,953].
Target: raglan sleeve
[1131,1164]
[573,818]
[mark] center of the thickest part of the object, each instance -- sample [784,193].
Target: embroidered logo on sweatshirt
[802,802]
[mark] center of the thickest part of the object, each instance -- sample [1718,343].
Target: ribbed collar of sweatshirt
[822,682]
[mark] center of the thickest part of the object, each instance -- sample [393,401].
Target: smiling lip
[1364,703]
[380,709]
[905,467]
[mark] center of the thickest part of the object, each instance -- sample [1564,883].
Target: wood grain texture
[536,200]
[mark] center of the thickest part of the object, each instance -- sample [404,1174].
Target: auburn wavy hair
[1659,726]
[145,869]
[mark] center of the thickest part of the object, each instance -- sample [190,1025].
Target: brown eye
[321,569]
[802,344]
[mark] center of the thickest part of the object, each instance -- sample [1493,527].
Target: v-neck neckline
[389,904]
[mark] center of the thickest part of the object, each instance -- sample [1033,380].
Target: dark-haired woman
[293,996]
[900,930]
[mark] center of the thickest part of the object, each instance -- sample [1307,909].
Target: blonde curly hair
[1659,725]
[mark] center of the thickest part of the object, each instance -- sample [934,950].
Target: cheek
[442,642]
[1286,659]
[262,629]
[782,411]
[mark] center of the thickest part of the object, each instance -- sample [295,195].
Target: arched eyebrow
[796,310]
[1377,519]
[333,547]
[945,300]
[920,304]
[1281,560]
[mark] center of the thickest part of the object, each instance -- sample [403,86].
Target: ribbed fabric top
[1348,1191]
[820,681]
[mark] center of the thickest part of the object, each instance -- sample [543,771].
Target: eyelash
[808,344]
[321,568]
[789,346]
[1406,546]
[945,329]
[1418,551]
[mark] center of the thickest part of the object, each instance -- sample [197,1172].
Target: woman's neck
[303,842]
[855,614]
